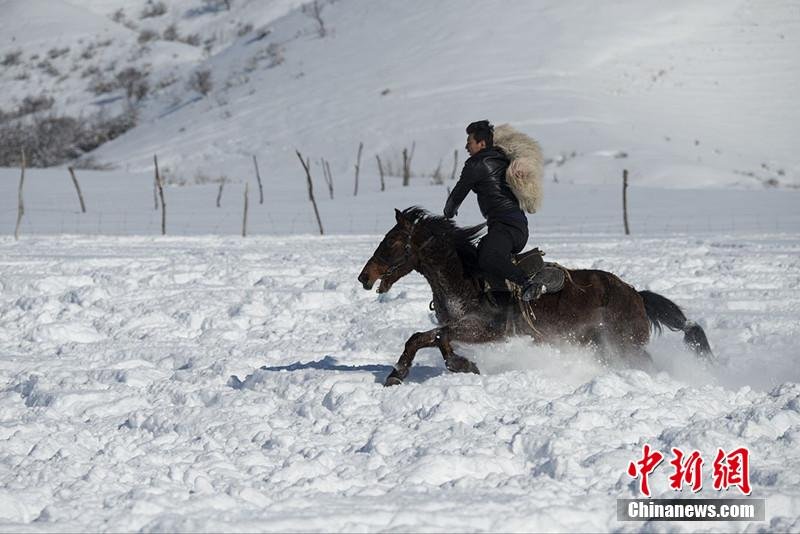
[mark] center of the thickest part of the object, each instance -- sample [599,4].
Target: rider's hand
[449,211]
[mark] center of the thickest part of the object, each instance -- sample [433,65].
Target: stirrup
[533,290]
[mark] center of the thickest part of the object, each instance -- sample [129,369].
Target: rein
[525,308]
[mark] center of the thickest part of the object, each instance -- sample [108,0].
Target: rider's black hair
[482,131]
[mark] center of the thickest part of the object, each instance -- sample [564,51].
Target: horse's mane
[463,239]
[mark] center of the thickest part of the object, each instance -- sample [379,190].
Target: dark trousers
[505,238]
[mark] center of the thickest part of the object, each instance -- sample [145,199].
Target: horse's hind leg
[610,345]
[454,362]
[469,330]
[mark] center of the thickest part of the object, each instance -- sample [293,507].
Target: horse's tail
[662,311]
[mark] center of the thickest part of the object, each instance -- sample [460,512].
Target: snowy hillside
[684,94]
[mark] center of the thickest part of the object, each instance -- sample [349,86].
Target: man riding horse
[485,174]
[585,307]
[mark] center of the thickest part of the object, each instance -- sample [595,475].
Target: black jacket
[485,173]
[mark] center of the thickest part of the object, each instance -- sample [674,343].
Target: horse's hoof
[396,377]
[459,364]
[392,381]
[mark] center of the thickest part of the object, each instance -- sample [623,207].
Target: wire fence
[43,221]
[123,205]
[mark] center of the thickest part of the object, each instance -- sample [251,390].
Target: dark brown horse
[594,308]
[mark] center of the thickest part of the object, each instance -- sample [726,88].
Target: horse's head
[396,256]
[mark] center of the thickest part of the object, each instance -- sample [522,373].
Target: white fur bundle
[524,174]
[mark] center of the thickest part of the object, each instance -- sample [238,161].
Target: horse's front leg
[470,330]
[419,340]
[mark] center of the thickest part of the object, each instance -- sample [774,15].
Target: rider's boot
[532,290]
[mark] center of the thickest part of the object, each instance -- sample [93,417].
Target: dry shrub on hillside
[55,53]
[153,9]
[100,86]
[170,33]
[54,139]
[217,5]
[48,68]
[191,39]
[201,81]
[314,11]
[11,58]
[145,36]
[134,82]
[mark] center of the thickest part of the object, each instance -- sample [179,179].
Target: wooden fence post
[407,164]
[406,174]
[77,188]
[258,177]
[244,217]
[328,175]
[155,189]
[436,177]
[310,190]
[625,200]
[380,169]
[219,192]
[455,165]
[20,205]
[358,166]
[160,183]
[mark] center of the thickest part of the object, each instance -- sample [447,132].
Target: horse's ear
[398,215]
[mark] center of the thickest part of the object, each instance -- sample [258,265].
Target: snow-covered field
[120,410]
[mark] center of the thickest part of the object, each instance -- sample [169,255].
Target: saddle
[550,275]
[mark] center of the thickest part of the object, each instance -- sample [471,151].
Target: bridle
[407,250]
